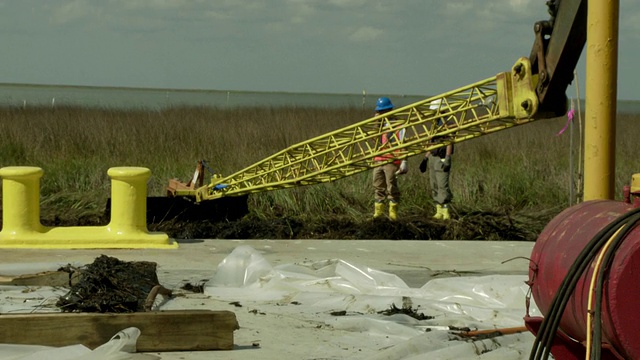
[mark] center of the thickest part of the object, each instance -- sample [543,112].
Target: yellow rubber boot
[378,210]
[393,211]
[438,215]
[445,213]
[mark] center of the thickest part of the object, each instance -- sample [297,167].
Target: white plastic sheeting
[122,346]
[325,287]
[314,292]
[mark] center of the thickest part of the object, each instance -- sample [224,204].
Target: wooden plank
[46,278]
[174,330]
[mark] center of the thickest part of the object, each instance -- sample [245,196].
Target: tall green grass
[521,169]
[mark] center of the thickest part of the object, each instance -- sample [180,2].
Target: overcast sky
[329,46]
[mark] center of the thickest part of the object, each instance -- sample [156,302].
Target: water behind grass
[21,95]
[140,98]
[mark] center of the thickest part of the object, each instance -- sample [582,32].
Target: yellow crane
[533,89]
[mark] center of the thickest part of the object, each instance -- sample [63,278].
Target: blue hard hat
[383,103]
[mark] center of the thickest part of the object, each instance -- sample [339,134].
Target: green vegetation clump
[520,172]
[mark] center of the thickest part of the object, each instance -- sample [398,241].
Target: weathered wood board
[47,278]
[175,330]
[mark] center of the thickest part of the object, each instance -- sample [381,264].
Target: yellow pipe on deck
[601,97]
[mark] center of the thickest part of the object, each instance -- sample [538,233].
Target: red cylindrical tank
[555,251]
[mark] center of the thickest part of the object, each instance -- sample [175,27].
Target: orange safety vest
[387,138]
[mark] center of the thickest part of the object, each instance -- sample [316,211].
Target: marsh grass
[524,169]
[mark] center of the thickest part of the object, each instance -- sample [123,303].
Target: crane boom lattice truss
[503,101]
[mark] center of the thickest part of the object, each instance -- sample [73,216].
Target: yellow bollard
[21,200]
[22,228]
[128,199]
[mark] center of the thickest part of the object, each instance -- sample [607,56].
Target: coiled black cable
[549,326]
[606,261]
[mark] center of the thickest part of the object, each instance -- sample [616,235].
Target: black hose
[565,292]
[550,322]
[606,261]
[549,326]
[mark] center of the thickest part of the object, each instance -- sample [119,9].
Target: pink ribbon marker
[570,115]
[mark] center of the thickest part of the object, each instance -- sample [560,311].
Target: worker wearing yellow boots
[438,162]
[439,165]
[385,182]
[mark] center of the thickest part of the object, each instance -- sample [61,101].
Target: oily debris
[194,288]
[393,309]
[109,285]
[464,225]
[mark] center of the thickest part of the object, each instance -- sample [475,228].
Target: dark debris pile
[464,226]
[109,285]
[406,310]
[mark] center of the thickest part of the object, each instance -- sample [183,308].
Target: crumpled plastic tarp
[474,302]
[320,288]
[122,346]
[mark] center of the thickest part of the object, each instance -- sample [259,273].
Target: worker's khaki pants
[385,182]
[439,180]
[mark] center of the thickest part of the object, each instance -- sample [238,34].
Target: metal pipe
[601,96]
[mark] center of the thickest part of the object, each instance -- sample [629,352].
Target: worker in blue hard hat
[388,165]
[438,162]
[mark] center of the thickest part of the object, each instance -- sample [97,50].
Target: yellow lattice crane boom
[494,104]
[534,88]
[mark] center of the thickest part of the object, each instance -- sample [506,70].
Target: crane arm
[555,53]
[533,89]
[503,101]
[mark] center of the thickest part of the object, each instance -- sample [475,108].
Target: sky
[411,47]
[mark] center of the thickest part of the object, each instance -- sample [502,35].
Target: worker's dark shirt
[441,152]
